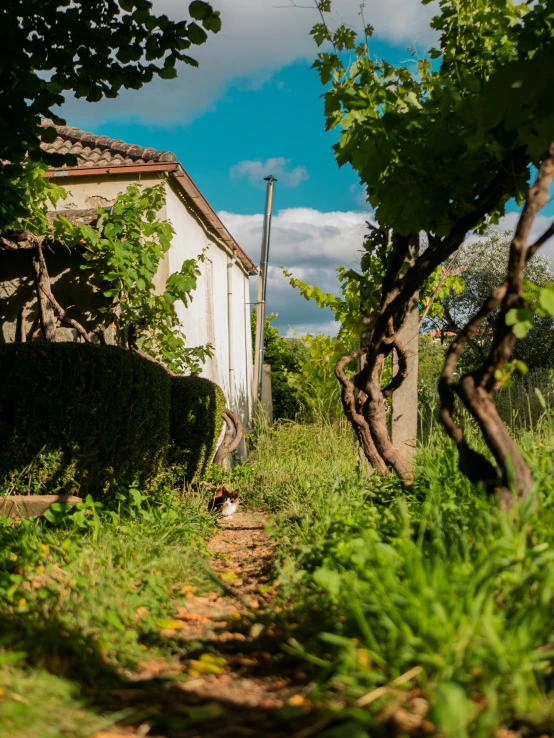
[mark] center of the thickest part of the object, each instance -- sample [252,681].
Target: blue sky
[253,108]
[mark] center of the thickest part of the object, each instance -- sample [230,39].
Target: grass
[36,704]
[428,602]
[435,583]
[80,601]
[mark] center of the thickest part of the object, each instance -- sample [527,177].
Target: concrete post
[404,400]
[267,394]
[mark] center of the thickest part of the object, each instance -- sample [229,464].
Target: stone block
[31,506]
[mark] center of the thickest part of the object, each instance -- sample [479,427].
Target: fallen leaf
[170,624]
[229,576]
[406,722]
[191,616]
[256,630]
[296,700]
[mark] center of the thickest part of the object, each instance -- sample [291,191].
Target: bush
[195,423]
[79,418]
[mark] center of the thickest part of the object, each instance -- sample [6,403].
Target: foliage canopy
[92,48]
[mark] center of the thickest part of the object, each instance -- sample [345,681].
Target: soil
[233,678]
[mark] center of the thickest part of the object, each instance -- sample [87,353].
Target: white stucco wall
[211,323]
[205,320]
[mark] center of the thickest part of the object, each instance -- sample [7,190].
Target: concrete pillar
[404,400]
[267,395]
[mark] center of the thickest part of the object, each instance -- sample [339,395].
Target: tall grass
[523,405]
[377,580]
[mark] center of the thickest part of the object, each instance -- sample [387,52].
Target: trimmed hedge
[79,417]
[195,423]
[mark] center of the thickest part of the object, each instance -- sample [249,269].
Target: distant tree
[285,356]
[92,48]
[484,264]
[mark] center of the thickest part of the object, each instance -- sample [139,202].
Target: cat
[225,502]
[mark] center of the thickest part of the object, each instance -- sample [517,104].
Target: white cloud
[258,37]
[312,244]
[302,329]
[255,171]
[509,221]
[309,243]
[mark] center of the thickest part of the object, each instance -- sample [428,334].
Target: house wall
[205,320]
[231,365]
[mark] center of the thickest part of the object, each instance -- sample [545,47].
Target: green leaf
[452,711]
[196,34]
[168,73]
[350,729]
[546,300]
[540,398]
[328,579]
[200,10]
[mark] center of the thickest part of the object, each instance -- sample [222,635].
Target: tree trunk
[42,280]
[229,444]
[21,328]
[404,400]
[475,389]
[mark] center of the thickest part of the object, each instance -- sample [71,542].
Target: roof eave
[186,184]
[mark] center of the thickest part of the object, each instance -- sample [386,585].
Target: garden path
[233,678]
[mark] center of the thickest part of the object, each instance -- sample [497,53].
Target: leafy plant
[123,252]
[441,150]
[45,52]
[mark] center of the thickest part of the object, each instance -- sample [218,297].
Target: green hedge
[195,423]
[79,417]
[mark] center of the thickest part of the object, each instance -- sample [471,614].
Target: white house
[219,313]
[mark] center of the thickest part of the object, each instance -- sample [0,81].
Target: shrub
[195,423]
[79,418]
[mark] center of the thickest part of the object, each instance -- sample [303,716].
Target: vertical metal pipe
[230,332]
[262,285]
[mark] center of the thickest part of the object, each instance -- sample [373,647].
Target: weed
[436,581]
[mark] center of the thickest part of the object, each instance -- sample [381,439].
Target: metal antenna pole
[262,285]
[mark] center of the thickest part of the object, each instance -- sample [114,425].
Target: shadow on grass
[167,704]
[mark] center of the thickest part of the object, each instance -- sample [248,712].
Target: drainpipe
[247,350]
[262,286]
[230,265]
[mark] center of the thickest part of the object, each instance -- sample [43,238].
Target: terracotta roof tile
[101,151]
[94,151]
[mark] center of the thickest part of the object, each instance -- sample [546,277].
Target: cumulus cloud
[509,221]
[258,37]
[309,243]
[312,244]
[255,171]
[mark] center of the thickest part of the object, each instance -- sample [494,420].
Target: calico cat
[225,502]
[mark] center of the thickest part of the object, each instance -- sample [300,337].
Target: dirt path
[233,678]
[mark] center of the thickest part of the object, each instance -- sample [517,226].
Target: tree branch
[229,444]
[359,423]
[62,314]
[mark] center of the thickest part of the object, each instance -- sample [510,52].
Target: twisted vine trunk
[364,400]
[49,307]
[232,437]
[511,475]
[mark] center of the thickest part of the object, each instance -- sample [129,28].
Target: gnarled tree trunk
[475,389]
[232,437]
[365,401]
